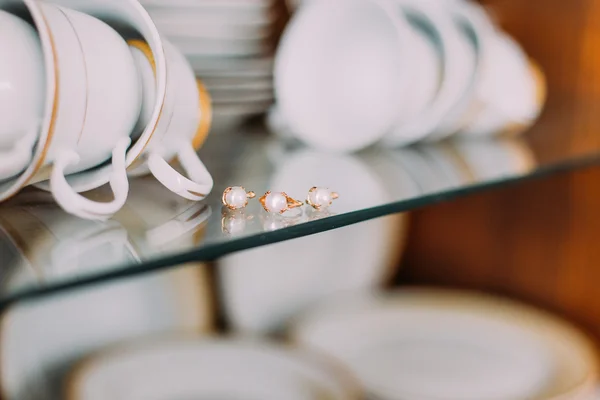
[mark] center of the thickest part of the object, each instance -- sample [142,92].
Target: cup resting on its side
[182,128]
[95,79]
[21,93]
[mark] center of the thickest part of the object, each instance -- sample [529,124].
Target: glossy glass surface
[45,250]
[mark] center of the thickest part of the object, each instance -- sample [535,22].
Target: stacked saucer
[230,44]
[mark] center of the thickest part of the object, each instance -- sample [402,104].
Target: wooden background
[537,241]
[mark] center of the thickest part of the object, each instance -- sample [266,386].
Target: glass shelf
[44,250]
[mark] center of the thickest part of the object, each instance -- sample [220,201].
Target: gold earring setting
[321,198]
[236,198]
[279,202]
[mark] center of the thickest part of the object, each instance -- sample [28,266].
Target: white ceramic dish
[192,368]
[221,97]
[21,93]
[183,122]
[249,68]
[29,11]
[131,20]
[459,61]
[425,70]
[214,30]
[341,71]
[259,296]
[102,80]
[59,96]
[188,107]
[237,84]
[217,12]
[474,22]
[109,78]
[210,5]
[241,109]
[220,48]
[131,17]
[435,344]
[511,92]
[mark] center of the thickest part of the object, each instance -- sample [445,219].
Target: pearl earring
[279,202]
[320,198]
[236,198]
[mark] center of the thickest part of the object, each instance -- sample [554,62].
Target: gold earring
[321,198]
[236,198]
[279,202]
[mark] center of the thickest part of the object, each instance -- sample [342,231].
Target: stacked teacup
[87,99]
[352,73]
[230,44]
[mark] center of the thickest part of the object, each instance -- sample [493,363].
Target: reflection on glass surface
[43,248]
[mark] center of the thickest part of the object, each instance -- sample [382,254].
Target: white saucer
[220,48]
[435,344]
[250,68]
[214,29]
[210,369]
[237,84]
[223,97]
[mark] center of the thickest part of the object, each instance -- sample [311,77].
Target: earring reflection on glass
[321,198]
[233,222]
[279,202]
[272,222]
[236,198]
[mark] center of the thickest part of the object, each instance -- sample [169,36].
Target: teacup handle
[76,204]
[15,160]
[196,187]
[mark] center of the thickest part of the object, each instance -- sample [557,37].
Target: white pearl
[320,197]
[276,202]
[236,197]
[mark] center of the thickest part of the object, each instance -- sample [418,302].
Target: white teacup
[130,18]
[341,72]
[21,93]
[511,91]
[132,21]
[441,117]
[88,79]
[182,128]
[98,106]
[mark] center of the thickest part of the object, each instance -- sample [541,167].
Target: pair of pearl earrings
[236,198]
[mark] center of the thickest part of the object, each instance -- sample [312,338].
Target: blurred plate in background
[437,344]
[211,369]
